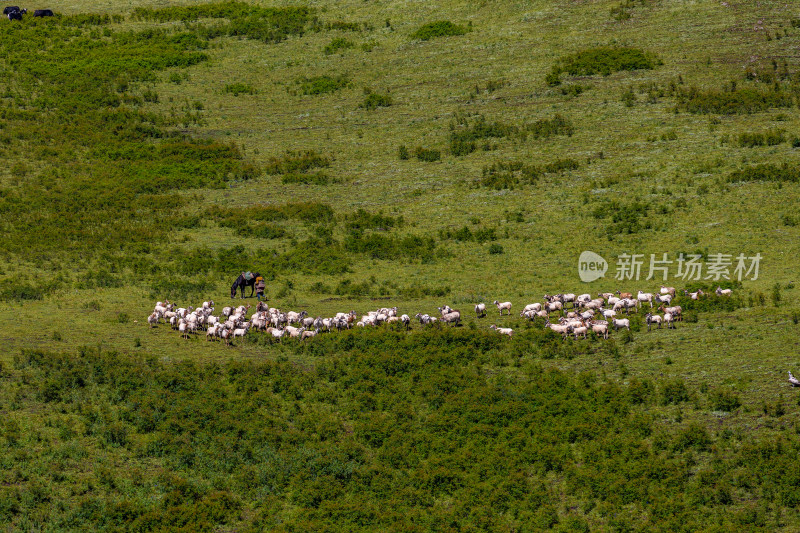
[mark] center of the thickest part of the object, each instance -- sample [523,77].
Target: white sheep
[502,331]
[645,297]
[651,319]
[453,317]
[723,292]
[533,307]
[621,323]
[503,305]
[480,310]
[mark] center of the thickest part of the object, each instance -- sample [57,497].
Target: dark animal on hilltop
[10,9]
[242,282]
[15,15]
[43,13]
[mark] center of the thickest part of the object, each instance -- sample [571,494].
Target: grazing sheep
[453,317]
[293,317]
[532,307]
[669,320]
[668,290]
[308,334]
[502,331]
[676,311]
[153,318]
[651,319]
[645,297]
[580,330]
[694,295]
[480,310]
[621,323]
[599,329]
[793,380]
[549,307]
[623,295]
[563,329]
[503,305]
[663,298]
[723,292]
[406,320]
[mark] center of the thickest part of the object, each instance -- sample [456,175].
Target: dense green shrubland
[441,28]
[338,44]
[270,25]
[466,131]
[602,60]
[766,172]
[732,100]
[297,162]
[323,84]
[385,425]
[508,175]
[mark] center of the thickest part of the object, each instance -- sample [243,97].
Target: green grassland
[365,154]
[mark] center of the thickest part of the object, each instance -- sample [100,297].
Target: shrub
[442,28]
[464,132]
[724,400]
[297,162]
[673,392]
[766,172]
[337,44]
[428,155]
[543,128]
[403,153]
[361,220]
[730,102]
[770,138]
[375,100]
[322,84]
[238,88]
[495,248]
[602,60]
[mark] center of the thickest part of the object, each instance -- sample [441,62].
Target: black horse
[242,282]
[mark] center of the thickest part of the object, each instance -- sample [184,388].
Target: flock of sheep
[578,315]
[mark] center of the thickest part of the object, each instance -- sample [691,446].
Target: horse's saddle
[247,276]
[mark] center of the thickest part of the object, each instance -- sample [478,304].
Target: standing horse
[242,282]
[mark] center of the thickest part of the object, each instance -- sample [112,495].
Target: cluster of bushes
[625,217]
[508,175]
[238,88]
[730,101]
[380,427]
[323,84]
[311,212]
[465,132]
[270,25]
[766,172]
[441,28]
[429,155]
[753,139]
[602,60]
[465,234]
[106,173]
[337,44]
[296,167]
[375,100]
[362,220]
[378,246]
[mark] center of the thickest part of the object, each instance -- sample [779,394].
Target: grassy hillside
[410,154]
